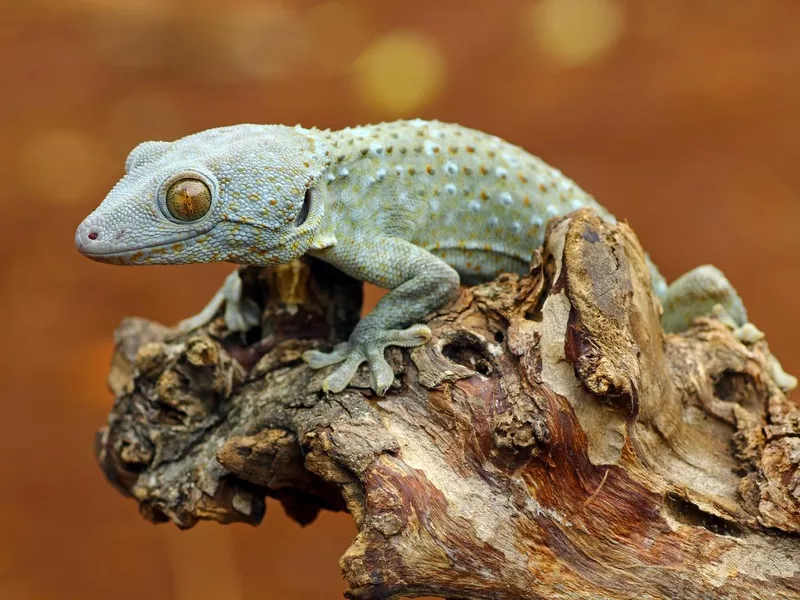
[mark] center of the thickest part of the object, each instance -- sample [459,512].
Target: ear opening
[305,209]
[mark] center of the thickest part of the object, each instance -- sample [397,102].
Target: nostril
[92,235]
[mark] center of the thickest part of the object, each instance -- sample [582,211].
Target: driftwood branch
[551,442]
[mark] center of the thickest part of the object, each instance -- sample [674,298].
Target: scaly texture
[412,206]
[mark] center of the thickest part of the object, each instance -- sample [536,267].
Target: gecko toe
[414,336]
[784,381]
[190,324]
[381,371]
[341,377]
[242,315]
[316,359]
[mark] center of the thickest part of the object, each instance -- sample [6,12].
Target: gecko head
[250,194]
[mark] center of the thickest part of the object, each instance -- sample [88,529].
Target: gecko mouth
[97,249]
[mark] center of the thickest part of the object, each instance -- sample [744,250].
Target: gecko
[416,207]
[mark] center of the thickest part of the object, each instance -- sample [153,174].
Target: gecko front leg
[419,283]
[241,313]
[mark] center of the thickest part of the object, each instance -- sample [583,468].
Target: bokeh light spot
[57,166]
[399,73]
[576,32]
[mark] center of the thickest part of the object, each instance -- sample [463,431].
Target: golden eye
[188,199]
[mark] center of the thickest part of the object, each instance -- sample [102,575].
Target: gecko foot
[241,313]
[368,347]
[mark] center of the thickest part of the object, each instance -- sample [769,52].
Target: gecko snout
[88,239]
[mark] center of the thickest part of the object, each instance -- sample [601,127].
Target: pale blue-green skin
[412,206]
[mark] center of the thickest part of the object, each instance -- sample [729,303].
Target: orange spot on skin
[484,195]
[483,170]
[452,150]
[526,201]
[273,202]
[137,255]
[436,149]
[470,149]
[467,171]
[542,187]
[178,247]
[389,149]
[411,170]
[522,178]
[430,169]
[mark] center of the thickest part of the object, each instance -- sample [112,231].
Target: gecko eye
[188,199]
[303,214]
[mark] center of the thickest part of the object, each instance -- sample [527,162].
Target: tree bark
[550,442]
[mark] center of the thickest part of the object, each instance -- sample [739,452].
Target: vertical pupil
[188,199]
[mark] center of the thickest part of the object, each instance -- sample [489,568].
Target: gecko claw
[367,348]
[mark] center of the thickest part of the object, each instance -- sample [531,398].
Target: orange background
[680,115]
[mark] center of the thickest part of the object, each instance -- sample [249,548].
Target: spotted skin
[412,206]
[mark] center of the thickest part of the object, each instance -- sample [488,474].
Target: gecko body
[412,206]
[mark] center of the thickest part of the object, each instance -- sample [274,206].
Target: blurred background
[680,115]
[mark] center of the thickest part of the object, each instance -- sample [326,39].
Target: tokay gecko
[412,206]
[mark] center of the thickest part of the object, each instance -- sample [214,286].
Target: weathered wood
[550,442]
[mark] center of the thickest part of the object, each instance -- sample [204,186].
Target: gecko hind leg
[706,291]
[696,294]
[241,313]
